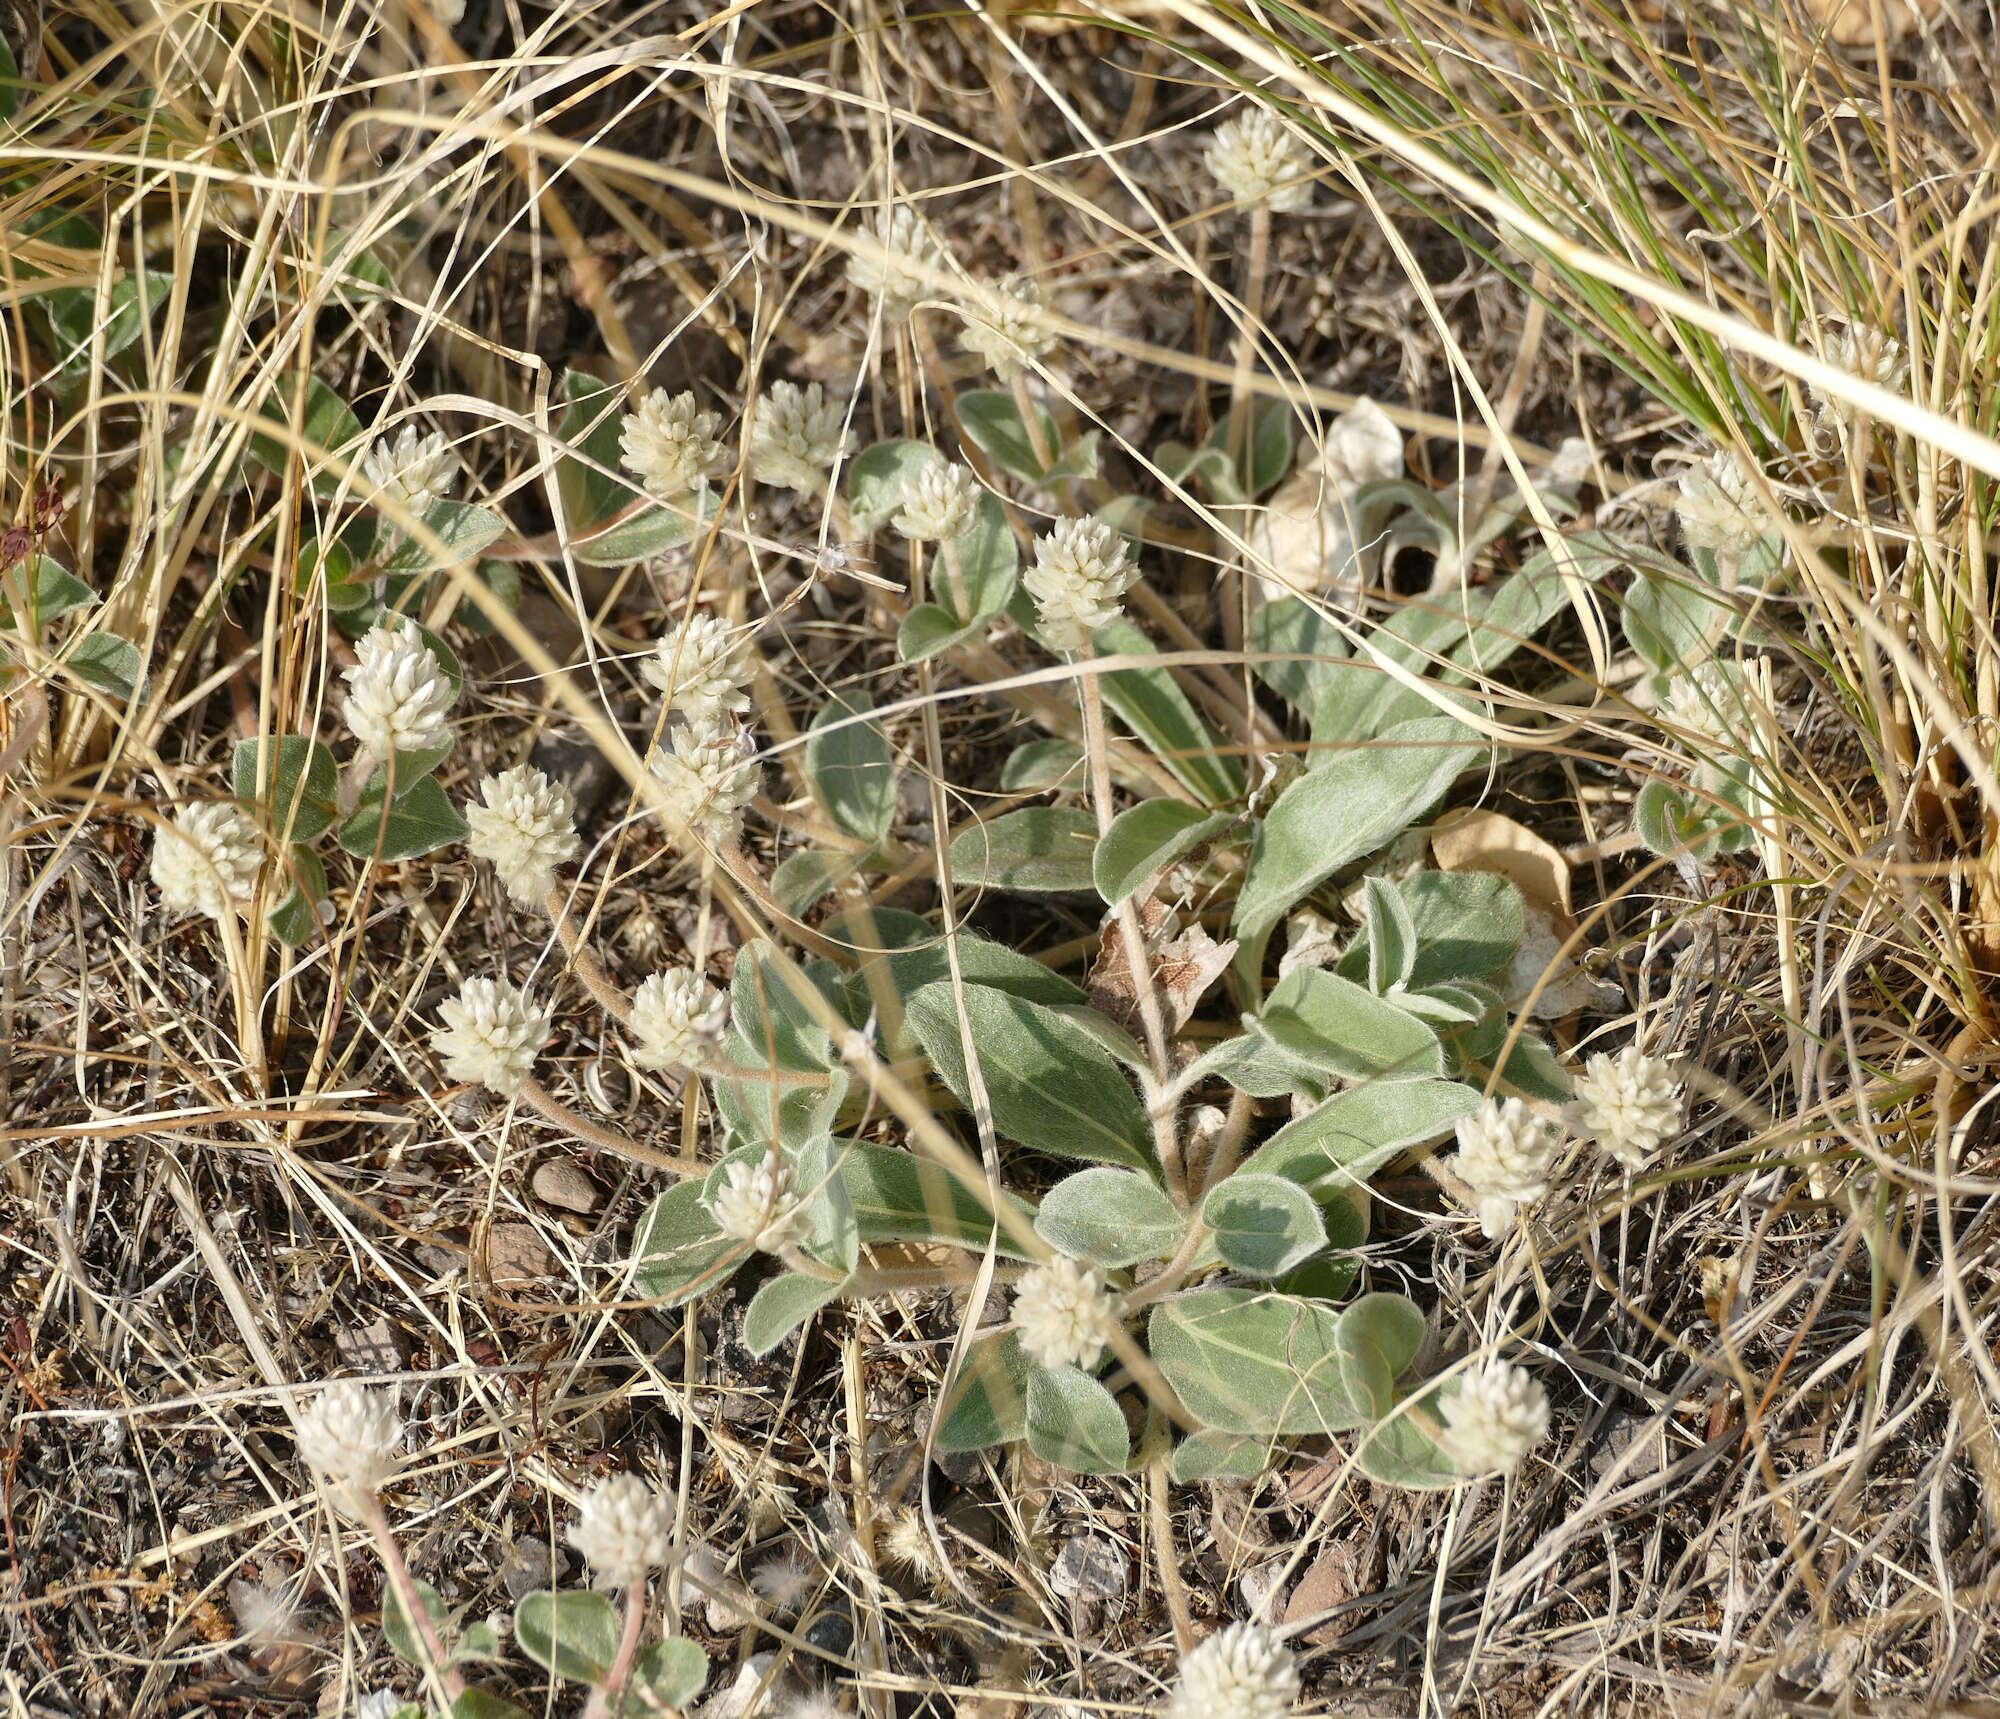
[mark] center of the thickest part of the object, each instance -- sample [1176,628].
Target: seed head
[491,1033]
[795,436]
[760,1204]
[786,1580]
[1628,1103]
[669,442]
[704,670]
[678,1018]
[1063,1313]
[938,503]
[1238,1673]
[412,472]
[1082,571]
[526,828]
[1498,1415]
[1505,1153]
[623,1529]
[398,696]
[1257,159]
[348,1438]
[207,858]
[709,775]
[898,278]
[1002,327]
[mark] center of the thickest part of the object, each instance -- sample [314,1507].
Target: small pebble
[564,1183]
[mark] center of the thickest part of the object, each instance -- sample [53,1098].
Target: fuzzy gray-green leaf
[1109,1217]
[1051,1086]
[1347,807]
[1075,1423]
[1040,850]
[575,1635]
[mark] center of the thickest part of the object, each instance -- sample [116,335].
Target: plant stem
[450,1685]
[596,980]
[1134,939]
[606,1139]
[605,1694]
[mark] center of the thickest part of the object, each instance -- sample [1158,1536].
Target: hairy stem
[583,960]
[606,1139]
[450,1685]
[604,1698]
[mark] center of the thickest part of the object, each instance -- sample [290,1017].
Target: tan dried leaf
[1488,841]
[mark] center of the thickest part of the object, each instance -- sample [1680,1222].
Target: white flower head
[1498,1414]
[795,436]
[526,828]
[669,442]
[678,1018]
[1710,705]
[703,667]
[449,13]
[1505,1154]
[1238,1673]
[938,503]
[1257,158]
[1628,1103]
[709,776]
[911,252]
[398,695]
[348,1438]
[413,471]
[1002,327]
[761,1204]
[207,858]
[490,1035]
[1720,506]
[1063,1312]
[623,1529]
[1082,570]
[1865,352]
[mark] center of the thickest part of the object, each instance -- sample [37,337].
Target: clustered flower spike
[760,1204]
[1498,1415]
[1628,1103]
[490,1035]
[348,1437]
[1003,329]
[398,694]
[1865,352]
[703,668]
[1257,159]
[526,828]
[1238,1673]
[413,471]
[207,858]
[898,278]
[1720,507]
[1707,703]
[1505,1153]
[677,1017]
[709,777]
[938,503]
[1082,571]
[795,436]
[623,1529]
[1063,1313]
[669,442]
